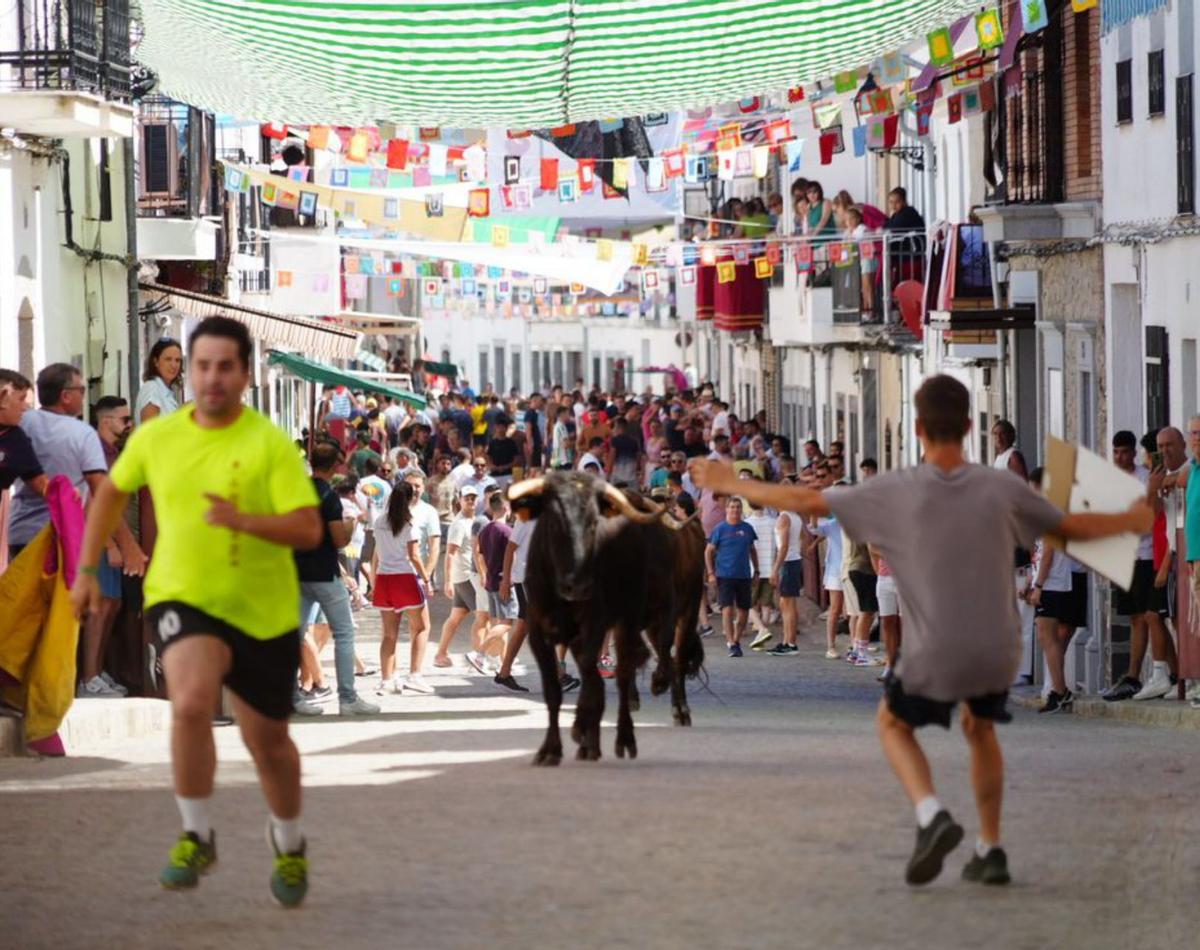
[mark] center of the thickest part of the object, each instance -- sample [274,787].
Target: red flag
[673,161]
[954,107]
[828,144]
[774,253]
[890,127]
[796,94]
[275,130]
[549,174]
[987,96]
[397,154]
[454,153]
[587,174]
[611,192]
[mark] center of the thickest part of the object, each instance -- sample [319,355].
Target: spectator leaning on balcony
[904,217]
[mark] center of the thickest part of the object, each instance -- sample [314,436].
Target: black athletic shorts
[1142,597]
[1079,599]
[791,578]
[521,601]
[1056,604]
[918,711]
[864,587]
[734,592]
[263,672]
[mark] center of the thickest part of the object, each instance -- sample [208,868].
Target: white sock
[194,812]
[927,809]
[1160,671]
[286,834]
[983,847]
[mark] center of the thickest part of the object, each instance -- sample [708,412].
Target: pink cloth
[66,514]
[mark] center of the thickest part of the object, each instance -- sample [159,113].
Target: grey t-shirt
[949,538]
[64,446]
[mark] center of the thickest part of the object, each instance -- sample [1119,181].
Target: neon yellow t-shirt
[477,412]
[249,583]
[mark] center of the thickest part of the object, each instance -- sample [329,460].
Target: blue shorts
[791,578]
[734,592]
[109,578]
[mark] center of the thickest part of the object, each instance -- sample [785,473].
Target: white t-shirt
[461,472]
[1145,551]
[589,459]
[462,534]
[426,525]
[393,548]
[350,509]
[764,527]
[155,392]
[720,423]
[795,536]
[373,495]
[1058,578]
[522,532]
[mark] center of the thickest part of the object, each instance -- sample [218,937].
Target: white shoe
[396,685]
[416,683]
[302,707]
[1193,692]
[1157,688]
[113,684]
[477,660]
[96,688]
[360,707]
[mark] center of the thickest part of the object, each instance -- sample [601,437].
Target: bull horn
[672,522]
[625,506]
[529,487]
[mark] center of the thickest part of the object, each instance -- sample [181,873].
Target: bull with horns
[602,560]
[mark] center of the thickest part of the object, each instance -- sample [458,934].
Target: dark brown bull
[600,560]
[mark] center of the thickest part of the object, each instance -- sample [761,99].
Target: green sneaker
[289,876]
[190,857]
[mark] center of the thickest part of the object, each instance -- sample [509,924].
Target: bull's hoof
[547,757]
[683,717]
[626,746]
[635,701]
[577,734]
[588,753]
[660,682]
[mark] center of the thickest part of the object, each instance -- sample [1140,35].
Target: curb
[92,722]
[1161,714]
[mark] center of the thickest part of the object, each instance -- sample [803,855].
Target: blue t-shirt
[733,543]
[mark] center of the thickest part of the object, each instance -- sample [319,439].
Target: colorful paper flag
[970,100]
[795,94]
[397,154]
[649,279]
[891,69]
[881,101]
[804,256]
[795,152]
[379,178]
[730,134]
[1034,16]
[687,275]
[432,287]
[828,143]
[395,287]
[269,193]
[987,96]
[988,29]
[708,255]
[941,47]
[320,283]
[500,235]
[774,253]
[422,176]
[656,177]
[779,130]
[641,254]
[1081,6]
[726,272]
[845,81]
[827,114]
[674,162]
[859,134]
[351,264]
[620,173]
[763,267]
[954,108]
[568,189]
[725,164]
[476,158]
[761,160]
[924,115]
[283,278]
[360,143]
[439,157]
[743,163]
[356,286]
[549,174]
[318,137]
[233,178]
[741,254]
[275,130]
[587,175]
[479,203]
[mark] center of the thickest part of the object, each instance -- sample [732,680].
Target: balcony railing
[177,176]
[68,45]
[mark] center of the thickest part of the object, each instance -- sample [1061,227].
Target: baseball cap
[469,490]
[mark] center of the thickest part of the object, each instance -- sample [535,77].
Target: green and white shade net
[530,64]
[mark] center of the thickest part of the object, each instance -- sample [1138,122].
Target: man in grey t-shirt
[948,530]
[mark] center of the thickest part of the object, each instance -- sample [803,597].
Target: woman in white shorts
[889,610]
[829,529]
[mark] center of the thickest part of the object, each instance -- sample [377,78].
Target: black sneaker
[991,869]
[1125,688]
[1068,702]
[509,683]
[933,844]
[735,649]
[318,694]
[782,649]
[1053,703]
[568,682]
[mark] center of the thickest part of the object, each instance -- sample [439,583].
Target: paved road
[772,823]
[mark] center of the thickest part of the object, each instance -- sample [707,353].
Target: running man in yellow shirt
[233,500]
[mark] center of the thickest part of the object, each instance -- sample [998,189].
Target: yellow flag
[726,272]
[641,253]
[763,267]
[500,235]
[621,173]
[604,250]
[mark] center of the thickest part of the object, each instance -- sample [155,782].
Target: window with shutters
[1156,83]
[1185,159]
[1125,91]
[1158,409]
[156,159]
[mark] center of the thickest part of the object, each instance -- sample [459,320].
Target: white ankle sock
[286,834]
[1160,671]
[983,847]
[194,812]
[927,809]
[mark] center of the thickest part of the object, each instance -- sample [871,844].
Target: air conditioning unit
[159,165]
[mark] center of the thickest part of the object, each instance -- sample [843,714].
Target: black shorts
[734,592]
[1056,604]
[918,711]
[791,578]
[1142,597]
[521,602]
[864,587]
[262,673]
[1079,599]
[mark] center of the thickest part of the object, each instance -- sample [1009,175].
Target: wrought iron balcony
[66,46]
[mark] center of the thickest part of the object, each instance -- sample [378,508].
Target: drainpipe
[134,320]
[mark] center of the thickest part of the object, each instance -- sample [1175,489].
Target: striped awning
[310,337]
[513,63]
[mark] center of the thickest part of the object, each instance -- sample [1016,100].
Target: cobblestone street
[774,822]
